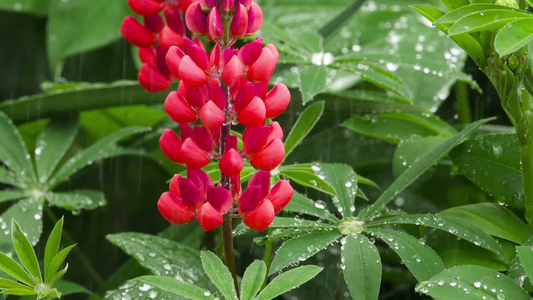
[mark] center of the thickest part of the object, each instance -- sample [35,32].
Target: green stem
[526,158]
[338,289]
[463,105]
[84,260]
[229,255]
[268,256]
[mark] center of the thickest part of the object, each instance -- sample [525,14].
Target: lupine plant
[360,149]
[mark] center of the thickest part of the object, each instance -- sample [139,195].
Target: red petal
[203,138]
[145,7]
[260,218]
[231,163]
[173,59]
[212,116]
[150,79]
[171,145]
[135,33]
[232,72]
[255,138]
[186,131]
[253,115]
[196,53]
[272,48]
[220,199]
[196,19]
[193,156]
[191,74]
[216,27]
[169,38]
[147,55]
[227,4]
[173,210]
[277,100]
[174,21]
[261,179]
[250,199]
[251,51]
[154,23]
[280,195]
[200,178]
[255,19]
[217,95]
[209,218]
[239,24]
[270,157]
[263,67]
[174,185]
[184,4]
[276,133]
[244,96]
[191,195]
[178,109]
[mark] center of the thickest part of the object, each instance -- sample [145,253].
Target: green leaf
[28,213]
[487,20]
[479,158]
[79,26]
[76,200]
[471,282]
[13,152]
[456,14]
[303,205]
[312,81]
[395,128]
[514,36]
[307,175]
[20,292]
[219,274]
[25,251]
[452,225]
[333,27]
[102,149]
[301,248]
[305,123]
[526,257]
[288,281]
[176,286]
[8,177]
[7,195]
[418,168]
[69,287]
[344,180]
[253,279]
[52,144]
[410,150]
[281,222]
[495,219]
[13,269]
[361,266]
[180,261]
[10,284]
[419,258]
[56,262]
[52,247]
[37,7]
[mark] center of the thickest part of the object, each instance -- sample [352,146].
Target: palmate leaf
[343,179]
[312,81]
[51,248]
[219,274]
[13,269]
[281,222]
[175,286]
[28,213]
[307,175]
[253,279]
[7,195]
[471,282]
[288,281]
[301,204]
[76,200]
[25,251]
[8,177]
[304,124]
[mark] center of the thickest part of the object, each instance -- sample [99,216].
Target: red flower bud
[135,33]
[209,218]
[173,59]
[260,218]
[216,27]
[191,74]
[231,163]
[145,7]
[193,156]
[171,145]
[172,209]
[253,115]
[280,195]
[269,157]
[151,79]
[251,51]
[174,21]
[239,24]
[227,5]
[174,187]
[196,19]
[277,100]
[233,71]
[212,116]
[178,109]
[263,67]
[255,19]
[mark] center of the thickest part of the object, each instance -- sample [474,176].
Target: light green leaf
[176,286]
[281,222]
[479,158]
[456,14]
[180,261]
[344,180]
[76,200]
[312,81]
[307,175]
[28,213]
[418,168]
[37,7]
[12,268]
[361,267]
[452,225]
[142,290]
[10,284]
[20,292]
[418,257]
[7,195]
[333,27]
[410,150]
[25,251]
[487,20]
[219,274]
[301,248]
[13,152]
[102,149]
[52,144]
[395,128]
[305,123]
[253,279]
[288,281]
[52,247]
[514,36]
[56,262]
[303,205]
[471,282]
[526,257]
[8,177]
[495,219]
[78,26]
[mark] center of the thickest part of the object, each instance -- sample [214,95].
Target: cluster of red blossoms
[225,87]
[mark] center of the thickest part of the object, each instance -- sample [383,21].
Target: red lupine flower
[194,149]
[263,146]
[258,203]
[231,163]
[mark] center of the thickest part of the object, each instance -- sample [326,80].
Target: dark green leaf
[52,247]
[514,36]
[13,152]
[25,252]
[102,149]
[526,257]
[452,225]
[306,121]
[307,175]
[38,7]
[495,219]
[419,258]
[142,290]
[410,150]
[176,286]
[333,27]
[303,205]
[301,248]
[12,268]
[219,274]
[344,180]
[8,177]
[471,282]
[28,213]
[12,195]
[76,200]
[69,287]
[361,266]
[253,279]
[418,168]
[487,20]
[312,81]
[52,144]
[288,281]
[478,159]
[280,222]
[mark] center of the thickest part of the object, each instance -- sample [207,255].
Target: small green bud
[508,3]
